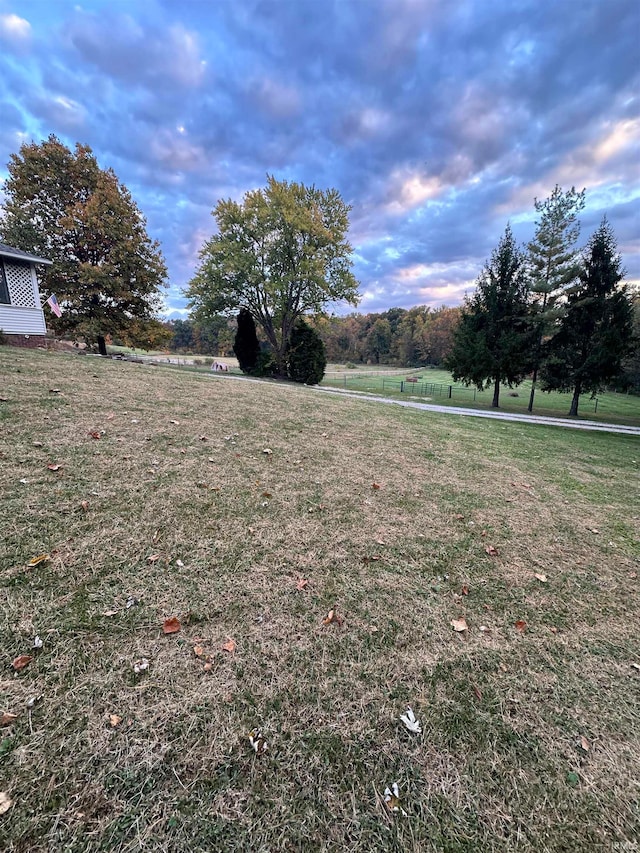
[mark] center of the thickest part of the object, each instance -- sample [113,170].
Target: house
[21,315]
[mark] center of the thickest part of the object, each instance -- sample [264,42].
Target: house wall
[23,316]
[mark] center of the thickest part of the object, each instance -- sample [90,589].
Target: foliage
[246,345]
[631,364]
[494,338]
[107,273]
[306,357]
[594,333]
[280,253]
[552,260]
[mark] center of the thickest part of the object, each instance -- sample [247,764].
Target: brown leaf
[6,718]
[171,625]
[477,692]
[95,434]
[153,558]
[491,551]
[584,743]
[21,661]
[208,666]
[110,612]
[53,466]
[459,624]
[301,583]
[114,720]
[332,617]
[110,416]
[465,589]
[229,646]
[375,485]
[373,559]
[84,505]
[521,625]
[459,516]
[266,494]
[542,578]
[198,651]
[35,561]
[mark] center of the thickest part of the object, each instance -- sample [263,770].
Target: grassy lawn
[401,522]
[610,407]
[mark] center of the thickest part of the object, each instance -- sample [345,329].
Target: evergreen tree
[106,272]
[306,357]
[594,333]
[552,261]
[492,343]
[246,345]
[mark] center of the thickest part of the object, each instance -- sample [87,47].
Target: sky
[439,121]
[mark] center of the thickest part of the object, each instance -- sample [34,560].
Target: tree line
[280,260]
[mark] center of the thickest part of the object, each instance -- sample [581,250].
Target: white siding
[22,321]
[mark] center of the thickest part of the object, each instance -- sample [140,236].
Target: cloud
[14,30]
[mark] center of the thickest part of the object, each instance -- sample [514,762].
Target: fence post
[401,385]
[450,390]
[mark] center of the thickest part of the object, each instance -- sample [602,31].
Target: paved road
[481,413]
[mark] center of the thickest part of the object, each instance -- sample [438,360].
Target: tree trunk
[573,411]
[102,345]
[533,390]
[496,394]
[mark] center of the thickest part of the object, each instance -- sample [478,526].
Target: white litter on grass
[140,666]
[410,722]
[392,799]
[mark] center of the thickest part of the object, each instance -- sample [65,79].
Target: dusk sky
[437,120]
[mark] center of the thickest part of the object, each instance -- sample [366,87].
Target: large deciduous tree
[492,343]
[281,253]
[594,333]
[107,274]
[553,262]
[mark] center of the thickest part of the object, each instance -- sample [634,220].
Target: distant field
[616,408]
[328,568]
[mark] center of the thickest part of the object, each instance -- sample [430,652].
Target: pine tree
[594,333]
[306,358]
[492,343]
[552,261]
[246,345]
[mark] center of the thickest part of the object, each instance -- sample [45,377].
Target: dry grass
[499,765]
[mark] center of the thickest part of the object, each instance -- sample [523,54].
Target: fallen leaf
[52,466]
[177,423]
[6,718]
[477,692]
[5,802]
[594,530]
[229,646]
[636,666]
[110,612]
[95,434]
[267,451]
[35,561]
[208,666]
[198,651]
[572,778]
[372,559]
[171,625]
[180,563]
[153,558]
[459,624]
[541,578]
[114,720]
[266,494]
[584,743]
[37,642]
[110,416]
[493,552]
[332,617]
[85,505]
[375,485]
[459,516]
[257,741]
[301,583]
[485,629]
[521,625]
[465,589]
[54,391]
[21,661]
[410,722]
[504,667]
[392,799]
[140,665]
[203,438]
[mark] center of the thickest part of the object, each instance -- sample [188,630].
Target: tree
[280,254]
[631,364]
[594,333]
[552,260]
[107,273]
[306,357]
[493,339]
[246,345]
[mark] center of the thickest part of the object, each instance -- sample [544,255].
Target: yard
[187,560]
